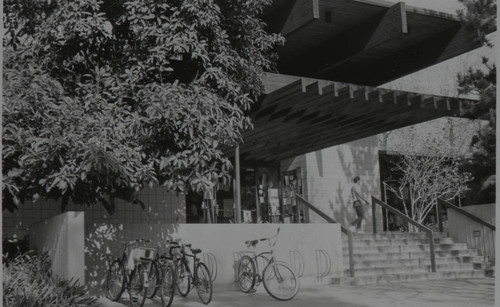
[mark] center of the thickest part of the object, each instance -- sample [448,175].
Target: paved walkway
[438,293]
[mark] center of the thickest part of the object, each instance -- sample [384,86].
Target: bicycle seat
[252,243]
[196,251]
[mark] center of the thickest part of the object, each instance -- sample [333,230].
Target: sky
[446,6]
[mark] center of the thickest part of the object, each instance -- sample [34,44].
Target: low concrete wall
[62,237]
[225,241]
[466,230]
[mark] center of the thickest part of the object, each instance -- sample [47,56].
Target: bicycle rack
[297,262]
[211,262]
[323,263]
[237,255]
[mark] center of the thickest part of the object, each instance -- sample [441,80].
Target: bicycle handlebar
[254,242]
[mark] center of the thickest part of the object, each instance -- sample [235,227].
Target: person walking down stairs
[358,200]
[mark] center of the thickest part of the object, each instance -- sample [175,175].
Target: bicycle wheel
[115,280]
[203,283]
[167,285]
[183,280]
[154,279]
[137,289]
[280,281]
[246,274]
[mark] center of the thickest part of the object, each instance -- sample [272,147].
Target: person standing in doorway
[358,200]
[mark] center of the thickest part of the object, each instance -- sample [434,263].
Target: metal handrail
[425,229]
[333,221]
[442,202]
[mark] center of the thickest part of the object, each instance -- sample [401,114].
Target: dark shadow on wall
[340,207]
[52,242]
[104,243]
[319,159]
[364,163]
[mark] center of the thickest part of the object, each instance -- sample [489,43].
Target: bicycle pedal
[252,291]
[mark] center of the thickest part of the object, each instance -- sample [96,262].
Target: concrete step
[360,263]
[405,248]
[392,235]
[396,242]
[393,278]
[457,267]
[410,255]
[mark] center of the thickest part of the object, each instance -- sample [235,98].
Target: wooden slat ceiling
[367,42]
[307,115]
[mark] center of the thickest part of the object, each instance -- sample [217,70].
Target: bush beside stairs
[397,257]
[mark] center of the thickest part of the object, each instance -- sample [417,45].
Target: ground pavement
[438,293]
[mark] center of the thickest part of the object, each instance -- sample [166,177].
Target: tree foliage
[424,178]
[102,98]
[480,16]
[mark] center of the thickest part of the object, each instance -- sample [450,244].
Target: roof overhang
[369,42]
[301,115]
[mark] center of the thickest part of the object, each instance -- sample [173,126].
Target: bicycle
[277,276]
[185,278]
[162,275]
[130,272]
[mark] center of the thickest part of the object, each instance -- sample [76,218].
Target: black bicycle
[130,272]
[199,277]
[162,274]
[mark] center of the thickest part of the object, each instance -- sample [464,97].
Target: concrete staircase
[398,257]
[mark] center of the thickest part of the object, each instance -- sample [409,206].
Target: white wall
[224,241]
[62,237]
[329,179]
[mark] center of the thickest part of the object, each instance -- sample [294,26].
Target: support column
[257,196]
[237,198]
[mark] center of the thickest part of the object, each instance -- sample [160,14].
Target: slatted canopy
[342,50]
[300,115]
[367,42]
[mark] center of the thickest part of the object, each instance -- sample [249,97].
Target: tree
[424,178]
[102,98]
[480,16]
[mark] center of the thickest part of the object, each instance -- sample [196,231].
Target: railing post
[385,210]
[374,218]
[351,254]
[432,251]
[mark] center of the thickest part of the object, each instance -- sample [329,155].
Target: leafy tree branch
[103,98]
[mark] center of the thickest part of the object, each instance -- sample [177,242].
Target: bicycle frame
[192,274]
[124,259]
[184,258]
[266,261]
[143,263]
[279,279]
[261,255]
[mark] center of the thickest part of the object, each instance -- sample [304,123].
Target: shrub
[28,281]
